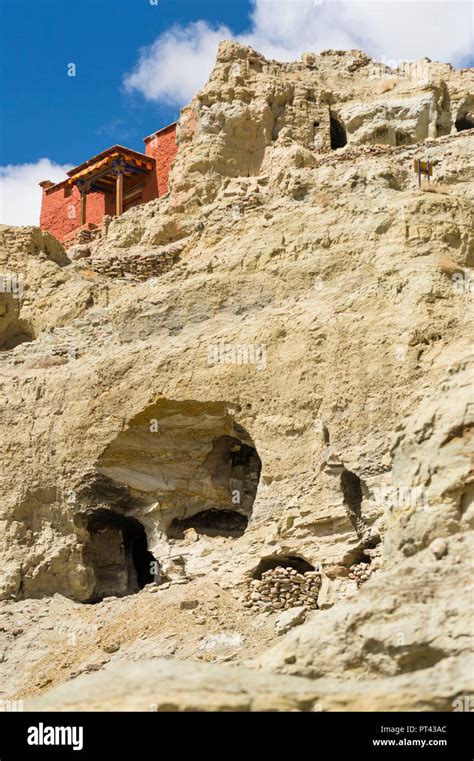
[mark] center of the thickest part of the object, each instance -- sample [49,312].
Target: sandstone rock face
[164,686]
[294,391]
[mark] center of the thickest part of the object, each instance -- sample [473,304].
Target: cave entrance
[464,122]
[118,555]
[194,460]
[351,486]
[337,131]
[283,561]
[15,333]
[210,523]
[234,467]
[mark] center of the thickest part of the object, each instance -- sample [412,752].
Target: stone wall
[140,265]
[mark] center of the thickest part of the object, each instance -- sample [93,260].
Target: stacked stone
[84,236]
[283,588]
[142,267]
[360,572]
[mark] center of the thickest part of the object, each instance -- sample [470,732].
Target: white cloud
[179,62]
[20,194]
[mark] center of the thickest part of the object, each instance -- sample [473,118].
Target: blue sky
[68,119]
[138,61]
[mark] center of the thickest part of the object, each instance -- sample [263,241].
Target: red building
[109,183]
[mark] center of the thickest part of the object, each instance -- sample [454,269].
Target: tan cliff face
[294,391]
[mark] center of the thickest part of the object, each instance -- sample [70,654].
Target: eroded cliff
[294,390]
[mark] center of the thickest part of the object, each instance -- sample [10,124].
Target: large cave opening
[233,467]
[192,463]
[464,118]
[116,552]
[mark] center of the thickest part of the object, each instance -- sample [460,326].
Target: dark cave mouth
[210,523]
[338,135]
[15,334]
[117,552]
[463,123]
[233,468]
[282,561]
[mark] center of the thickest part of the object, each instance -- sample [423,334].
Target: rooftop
[109,152]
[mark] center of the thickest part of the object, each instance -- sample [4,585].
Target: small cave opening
[464,122]
[210,523]
[236,467]
[351,486]
[337,132]
[356,556]
[363,552]
[117,553]
[15,333]
[364,561]
[282,561]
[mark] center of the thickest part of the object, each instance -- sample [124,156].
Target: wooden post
[83,207]
[424,168]
[119,194]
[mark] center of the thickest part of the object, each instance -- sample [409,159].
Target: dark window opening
[118,555]
[338,133]
[67,191]
[464,122]
[210,523]
[282,561]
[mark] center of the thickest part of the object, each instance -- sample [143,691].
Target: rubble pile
[283,588]
[361,572]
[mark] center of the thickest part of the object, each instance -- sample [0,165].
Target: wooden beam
[119,195]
